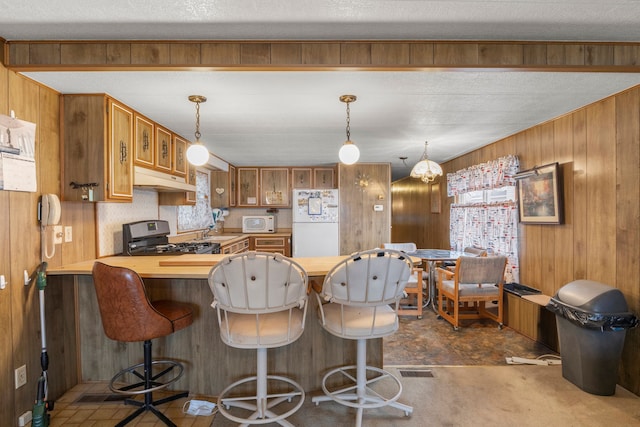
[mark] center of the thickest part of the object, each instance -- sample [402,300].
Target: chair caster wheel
[439,317]
[500,326]
[419,317]
[456,328]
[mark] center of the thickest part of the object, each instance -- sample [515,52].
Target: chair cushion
[270,330]
[180,314]
[357,321]
[473,289]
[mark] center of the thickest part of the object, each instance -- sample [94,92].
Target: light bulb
[349,153]
[197,154]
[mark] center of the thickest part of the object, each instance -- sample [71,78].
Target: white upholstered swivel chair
[359,300]
[261,301]
[415,287]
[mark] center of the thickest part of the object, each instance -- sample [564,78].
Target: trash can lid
[592,296]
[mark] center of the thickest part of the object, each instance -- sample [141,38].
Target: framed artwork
[539,198]
[435,198]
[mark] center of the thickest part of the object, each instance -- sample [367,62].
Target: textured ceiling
[295,118]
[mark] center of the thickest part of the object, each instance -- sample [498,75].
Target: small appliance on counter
[150,237]
[259,224]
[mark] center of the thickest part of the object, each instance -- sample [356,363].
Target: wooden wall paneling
[355,53]
[546,233]
[580,202]
[220,53]
[421,53]
[321,53]
[255,53]
[628,224]
[574,54]
[534,54]
[48,142]
[599,54]
[185,53]
[83,53]
[44,53]
[150,53]
[18,54]
[626,55]
[286,53]
[563,234]
[455,53]
[360,227]
[390,54]
[601,190]
[499,54]
[118,53]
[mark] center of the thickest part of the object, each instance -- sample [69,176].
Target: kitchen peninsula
[209,364]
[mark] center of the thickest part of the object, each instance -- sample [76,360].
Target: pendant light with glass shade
[427,170]
[349,153]
[197,154]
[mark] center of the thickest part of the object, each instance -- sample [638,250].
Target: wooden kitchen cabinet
[276,244]
[163,149]
[274,187]
[324,178]
[191,179]
[144,148]
[220,193]
[235,247]
[301,178]
[98,149]
[232,185]
[248,187]
[179,154]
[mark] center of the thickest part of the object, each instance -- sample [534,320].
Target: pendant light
[349,153]
[427,170]
[197,154]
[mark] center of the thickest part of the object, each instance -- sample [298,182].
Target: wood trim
[113,55]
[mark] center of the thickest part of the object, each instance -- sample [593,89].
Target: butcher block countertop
[187,266]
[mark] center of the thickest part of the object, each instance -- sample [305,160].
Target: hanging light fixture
[349,153]
[427,170]
[197,154]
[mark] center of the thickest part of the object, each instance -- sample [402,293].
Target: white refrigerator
[316,226]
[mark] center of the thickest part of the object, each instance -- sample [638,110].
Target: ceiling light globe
[349,153]
[197,154]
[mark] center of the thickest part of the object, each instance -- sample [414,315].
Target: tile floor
[424,342]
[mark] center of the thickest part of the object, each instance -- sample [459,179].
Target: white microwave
[259,224]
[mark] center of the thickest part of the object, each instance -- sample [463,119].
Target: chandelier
[427,170]
[349,153]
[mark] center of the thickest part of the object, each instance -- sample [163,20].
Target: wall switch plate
[378,208]
[68,234]
[21,376]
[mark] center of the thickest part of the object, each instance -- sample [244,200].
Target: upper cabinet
[248,187]
[274,187]
[98,149]
[179,164]
[324,178]
[301,178]
[220,192]
[312,177]
[232,185]
[163,149]
[144,149]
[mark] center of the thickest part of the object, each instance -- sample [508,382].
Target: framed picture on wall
[539,197]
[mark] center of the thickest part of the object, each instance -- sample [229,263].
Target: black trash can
[592,320]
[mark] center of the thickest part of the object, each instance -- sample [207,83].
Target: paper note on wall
[17,155]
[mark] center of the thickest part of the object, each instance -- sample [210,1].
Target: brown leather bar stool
[128,316]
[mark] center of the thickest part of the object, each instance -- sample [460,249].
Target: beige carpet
[515,395]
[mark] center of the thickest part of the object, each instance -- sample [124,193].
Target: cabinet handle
[145,140]
[123,152]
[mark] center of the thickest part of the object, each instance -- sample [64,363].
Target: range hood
[160,181]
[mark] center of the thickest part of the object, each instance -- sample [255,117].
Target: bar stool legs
[359,394]
[149,382]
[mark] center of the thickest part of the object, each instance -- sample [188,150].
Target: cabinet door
[247,186]
[179,156]
[191,179]
[323,178]
[120,182]
[274,186]
[163,149]
[144,149]
[220,193]
[301,178]
[232,186]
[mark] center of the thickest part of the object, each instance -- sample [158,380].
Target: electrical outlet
[21,376]
[68,234]
[57,234]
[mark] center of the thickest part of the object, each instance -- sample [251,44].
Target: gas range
[150,237]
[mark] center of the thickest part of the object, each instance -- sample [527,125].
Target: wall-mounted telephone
[49,216]
[49,213]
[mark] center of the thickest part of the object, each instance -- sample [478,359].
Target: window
[198,216]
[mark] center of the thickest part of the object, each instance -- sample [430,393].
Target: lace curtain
[493,226]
